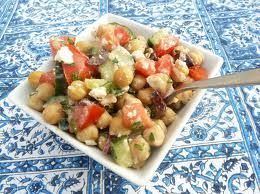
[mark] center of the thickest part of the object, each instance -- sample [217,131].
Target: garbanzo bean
[44,91]
[185,96]
[53,113]
[123,77]
[35,103]
[138,82]
[138,43]
[104,120]
[117,128]
[34,78]
[145,95]
[77,90]
[90,133]
[140,150]
[154,135]
[196,57]
[169,116]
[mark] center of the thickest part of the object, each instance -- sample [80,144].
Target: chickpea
[88,134]
[77,90]
[104,120]
[154,135]
[175,103]
[145,95]
[123,77]
[35,103]
[169,116]
[117,128]
[138,43]
[44,91]
[53,113]
[196,57]
[138,82]
[34,78]
[102,140]
[162,125]
[185,96]
[127,99]
[140,150]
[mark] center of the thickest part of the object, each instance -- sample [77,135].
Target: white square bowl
[212,62]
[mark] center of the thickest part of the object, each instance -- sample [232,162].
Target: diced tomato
[80,68]
[135,112]
[85,115]
[145,67]
[57,42]
[47,77]
[198,73]
[164,64]
[166,45]
[122,35]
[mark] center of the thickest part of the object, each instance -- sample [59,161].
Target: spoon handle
[251,77]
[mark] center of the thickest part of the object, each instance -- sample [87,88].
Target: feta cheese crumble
[98,93]
[64,55]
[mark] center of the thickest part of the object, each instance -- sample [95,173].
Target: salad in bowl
[109,91]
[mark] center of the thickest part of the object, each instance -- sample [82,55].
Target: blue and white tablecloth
[218,150]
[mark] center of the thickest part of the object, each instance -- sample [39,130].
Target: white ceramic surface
[212,63]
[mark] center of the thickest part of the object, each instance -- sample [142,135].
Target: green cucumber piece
[156,37]
[107,70]
[94,83]
[120,152]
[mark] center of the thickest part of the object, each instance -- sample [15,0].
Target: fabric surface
[217,151]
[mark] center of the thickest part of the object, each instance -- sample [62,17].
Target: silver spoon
[251,77]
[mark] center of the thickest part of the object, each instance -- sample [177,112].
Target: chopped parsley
[151,137]
[75,76]
[112,89]
[138,146]
[136,126]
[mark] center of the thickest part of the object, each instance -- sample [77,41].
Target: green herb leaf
[151,137]
[137,126]
[75,76]
[138,146]
[70,41]
[115,60]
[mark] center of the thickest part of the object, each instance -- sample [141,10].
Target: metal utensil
[251,77]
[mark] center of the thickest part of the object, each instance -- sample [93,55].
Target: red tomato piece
[80,68]
[145,67]
[85,115]
[166,45]
[57,42]
[122,35]
[198,73]
[47,77]
[135,112]
[164,64]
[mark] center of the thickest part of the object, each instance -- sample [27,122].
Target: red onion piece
[107,145]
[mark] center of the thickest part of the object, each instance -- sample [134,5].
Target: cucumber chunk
[120,152]
[157,37]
